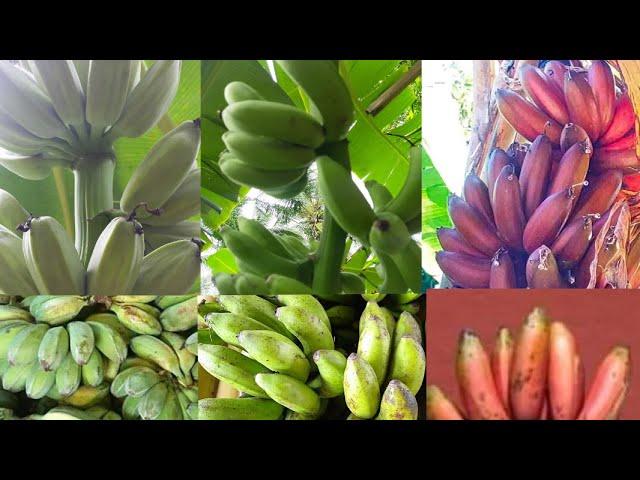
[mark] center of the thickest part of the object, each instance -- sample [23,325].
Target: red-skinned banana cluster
[536,376]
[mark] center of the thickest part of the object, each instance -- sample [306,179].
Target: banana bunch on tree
[293,358]
[73,349]
[270,146]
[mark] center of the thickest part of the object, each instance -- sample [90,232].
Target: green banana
[225,283]
[166,301]
[81,341]
[331,365]
[247,283]
[149,100]
[112,320]
[243,173]
[389,233]
[406,204]
[341,315]
[23,348]
[130,408]
[55,310]
[107,87]
[374,346]
[180,317]
[171,409]
[115,263]
[153,401]
[12,213]
[134,298]
[239,92]
[295,246]
[33,167]
[108,341]
[254,307]
[409,263]
[92,372]
[156,236]
[380,195]
[111,369]
[229,325]
[53,348]
[8,331]
[239,409]
[289,191]
[275,352]
[15,378]
[163,169]
[15,274]
[145,378]
[308,303]
[408,363]
[263,236]
[185,403]
[290,392]
[361,387]
[279,283]
[39,382]
[155,350]
[398,403]
[344,200]
[68,376]
[267,153]
[137,320]
[373,310]
[311,331]
[414,225]
[392,278]
[185,358]
[191,343]
[351,283]
[171,269]
[327,90]
[183,204]
[407,326]
[275,120]
[230,366]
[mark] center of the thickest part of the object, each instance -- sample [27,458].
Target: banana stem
[93,182]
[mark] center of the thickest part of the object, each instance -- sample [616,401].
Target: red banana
[609,387]
[564,366]
[496,162]
[534,174]
[625,160]
[603,86]
[583,271]
[599,195]
[623,120]
[581,103]
[624,143]
[555,71]
[503,273]
[573,168]
[572,134]
[477,388]
[544,93]
[527,119]
[476,194]
[542,269]
[548,219]
[439,407]
[516,153]
[528,383]
[464,270]
[473,227]
[573,241]
[501,358]
[452,241]
[507,208]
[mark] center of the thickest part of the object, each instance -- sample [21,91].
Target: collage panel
[311,176]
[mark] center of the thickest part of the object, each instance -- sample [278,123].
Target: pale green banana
[51,257]
[15,378]
[239,92]
[331,365]
[312,333]
[134,298]
[15,274]
[23,348]
[308,303]
[12,213]
[289,191]
[279,283]
[257,308]
[171,409]
[93,371]
[183,203]
[39,382]
[166,301]
[243,173]
[361,388]
[11,312]
[247,283]
[228,325]
[225,283]
[230,366]
[68,376]
[106,91]
[290,392]
[53,348]
[82,69]
[8,331]
[153,401]
[109,341]
[373,310]
[407,326]
[112,321]
[374,346]
[191,343]
[81,341]
[155,350]
[239,409]
[398,403]
[137,320]
[14,138]
[115,262]
[130,408]
[408,363]
[32,167]
[180,317]
[185,358]
[156,236]
[140,382]
[55,310]
[111,369]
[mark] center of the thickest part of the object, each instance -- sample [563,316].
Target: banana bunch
[545,219]
[290,359]
[58,112]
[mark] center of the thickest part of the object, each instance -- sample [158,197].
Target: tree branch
[394,90]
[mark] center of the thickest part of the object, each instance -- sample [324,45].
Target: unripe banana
[407,203]
[225,283]
[55,310]
[111,369]
[372,311]
[155,350]
[137,320]
[156,236]
[374,346]
[327,90]
[186,359]
[109,341]
[408,363]
[257,308]
[86,396]
[106,91]
[361,388]
[311,331]
[149,100]
[344,200]
[12,213]
[389,233]
[133,381]
[407,326]
[191,343]
[279,283]
[180,317]
[308,303]
[166,301]
[116,259]
[51,257]
[398,403]
[53,348]
[39,382]
[112,321]
[275,352]
[92,372]
[267,153]
[275,120]
[243,173]
[231,367]
[33,167]
[289,191]
[171,269]
[68,376]
[163,169]
[171,409]
[229,325]
[81,341]
[183,204]
[290,392]
[239,409]
[248,283]
[60,81]
[239,92]
[134,299]
[26,103]
[409,263]
[14,138]
[15,274]
[130,408]
[263,236]
[15,378]
[23,348]
[331,365]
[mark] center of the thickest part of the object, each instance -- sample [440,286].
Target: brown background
[598,319]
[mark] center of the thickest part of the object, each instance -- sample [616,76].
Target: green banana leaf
[434,203]
[54,195]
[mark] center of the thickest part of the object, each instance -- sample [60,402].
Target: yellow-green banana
[81,341]
[39,382]
[137,319]
[109,341]
[389,233]
[408,363]
[257,308]
[398,403]
[155,350]
[308,303]
[92,372]
[15,378]
[23,348]
[239,409]
[8,331]
[185,358]
[267,153]
[361,388]
[55,310]
[331,365]
[68,376]
[290,392]
[180,317]
[407,326]
[311,331]
[153,401]
[54,346]
[374,346]
[228,325]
